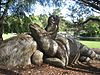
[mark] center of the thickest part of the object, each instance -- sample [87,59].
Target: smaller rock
[37,58]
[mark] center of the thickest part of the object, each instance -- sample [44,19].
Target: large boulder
[17,51]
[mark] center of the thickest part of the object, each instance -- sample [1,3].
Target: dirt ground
[45,69]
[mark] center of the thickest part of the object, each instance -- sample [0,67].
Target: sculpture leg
[37,58]
[55,61]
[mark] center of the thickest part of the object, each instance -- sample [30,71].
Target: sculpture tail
[85,51]
[97,56]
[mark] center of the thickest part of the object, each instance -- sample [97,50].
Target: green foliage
[16,24]
[40,20]
[64,25]
[91,29]
[19,24]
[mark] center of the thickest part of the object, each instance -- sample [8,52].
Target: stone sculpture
[58,52]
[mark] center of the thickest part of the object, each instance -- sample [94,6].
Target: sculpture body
[54,51]
[61,51]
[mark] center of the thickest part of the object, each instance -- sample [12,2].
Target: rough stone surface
[46,69]
[54,51]
[53,26]
[37,58]
[58,53]
[17,50]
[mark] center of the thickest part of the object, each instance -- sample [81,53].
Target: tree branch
[5,10]
[92,4]
[2,3]
[2,18]
[89,19]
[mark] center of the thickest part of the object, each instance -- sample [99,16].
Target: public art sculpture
[54,52]
[73,46]
[44,45]
[58,52]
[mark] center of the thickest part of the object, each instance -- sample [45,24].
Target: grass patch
[91,44]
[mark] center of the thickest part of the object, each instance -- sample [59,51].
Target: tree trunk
[2,16]
[1,39]
[1,31]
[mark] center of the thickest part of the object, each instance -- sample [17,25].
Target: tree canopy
[79,12]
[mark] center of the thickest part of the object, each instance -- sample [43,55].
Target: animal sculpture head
[53,20]
[36,31]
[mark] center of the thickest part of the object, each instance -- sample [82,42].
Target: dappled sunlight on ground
[6,36]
